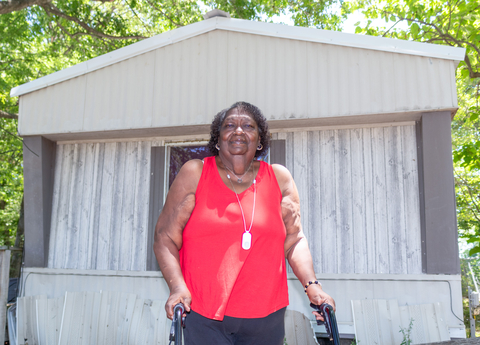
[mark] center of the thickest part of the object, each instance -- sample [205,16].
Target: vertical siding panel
[242,68]
[55,206]
[260,62]
[75,206]
[62,221]
[163,86]
[177,62]
[298,88]
[344,201]
[233,66]
[117,201]
[117,95]
[127,213]
[95,205]
[395,197]
[135,324]
[186,78]
[369,201]
[376,89]
[281,61]
[252,56]
[385,64]
[314,198]
[352,69]
[73,209]
[358,201]
[217,72]
[365,69]
[343,83]
[324,81]
[453,99]
[85,207]
[301,177]
[142,189]
[290,162]
[411,201]
[328,177]
[198,62]
[335,87]
[380,201]
[272,99]
[103,241]
[312,80]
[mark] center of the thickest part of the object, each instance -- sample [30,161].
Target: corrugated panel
[120,96]
[407,289]
[115,318]
[298,329]
[90,318]
[79,318]
[188,82]
[377,322]
[383,322]
[49,320]
[428,323]
[56,108]
[359,195]
[27,333]
[100,206]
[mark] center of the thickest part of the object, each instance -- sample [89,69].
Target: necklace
[247,236]
[239,179]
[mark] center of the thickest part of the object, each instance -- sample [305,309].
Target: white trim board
[250,27]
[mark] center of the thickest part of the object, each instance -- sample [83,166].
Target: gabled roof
[250,27]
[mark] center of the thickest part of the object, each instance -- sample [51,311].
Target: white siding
[100,206]
[358,190]
[408,289]
[188,82]
[359,198]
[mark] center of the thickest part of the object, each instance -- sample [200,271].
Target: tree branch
[472,198]
[447,38]
[9,6]
[52,10]
[165,15]
[8,115]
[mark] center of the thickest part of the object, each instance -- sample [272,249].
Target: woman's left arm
[296,245]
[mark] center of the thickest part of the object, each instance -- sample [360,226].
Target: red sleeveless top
[223,278]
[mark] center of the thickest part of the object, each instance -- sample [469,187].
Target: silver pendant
[239,180]
[246,240]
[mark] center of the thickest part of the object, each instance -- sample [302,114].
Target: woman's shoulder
[193,166]
[190,174]
[283,175]
[281,171]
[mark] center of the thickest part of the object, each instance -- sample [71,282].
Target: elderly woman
[221,241]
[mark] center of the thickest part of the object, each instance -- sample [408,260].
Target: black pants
[269,330]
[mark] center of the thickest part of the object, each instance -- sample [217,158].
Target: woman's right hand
[178,295]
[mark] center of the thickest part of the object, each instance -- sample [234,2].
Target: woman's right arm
[169,229]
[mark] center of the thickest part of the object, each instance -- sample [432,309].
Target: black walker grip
[330,321]
[177,324]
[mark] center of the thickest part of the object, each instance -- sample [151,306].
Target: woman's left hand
[317,296]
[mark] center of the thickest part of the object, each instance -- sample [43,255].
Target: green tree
[453,23]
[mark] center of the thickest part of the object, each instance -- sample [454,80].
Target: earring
[259,147]
[217,147]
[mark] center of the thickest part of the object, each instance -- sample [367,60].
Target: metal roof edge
[343,39]
[244,26]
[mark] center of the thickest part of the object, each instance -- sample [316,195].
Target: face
[239,134]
